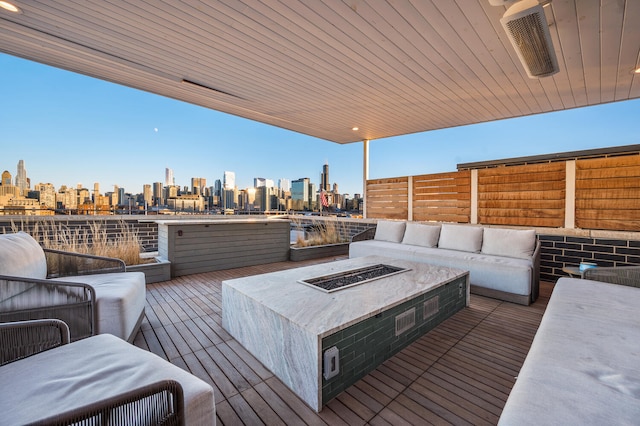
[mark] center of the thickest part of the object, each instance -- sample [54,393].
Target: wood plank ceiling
[323,67]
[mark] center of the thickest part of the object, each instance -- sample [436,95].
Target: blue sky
[72,129]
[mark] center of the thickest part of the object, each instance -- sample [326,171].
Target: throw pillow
[392,231]
[419,234]
[509,242]
[461,237]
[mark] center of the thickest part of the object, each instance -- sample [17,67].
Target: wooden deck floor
[459,373]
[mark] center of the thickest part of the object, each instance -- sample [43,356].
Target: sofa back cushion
[509,242]
[22,256]
[461,237]
[392,231]
[419,234]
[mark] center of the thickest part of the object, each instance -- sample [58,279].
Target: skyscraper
[168,177]
[229,180]
[325,185]
[284,184]
[158,194]
[21,177]
[300,193]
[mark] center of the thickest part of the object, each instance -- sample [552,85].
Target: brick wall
[559,251]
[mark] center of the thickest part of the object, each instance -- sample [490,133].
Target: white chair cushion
[120,300]
[461,237]
[22,256]
[419,234]
[392,231]
[509,242]
[82,372]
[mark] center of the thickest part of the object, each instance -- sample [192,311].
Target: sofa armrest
[29,299]
[367,234]
[158,403]
[22,339]
[65,263]
[535,279]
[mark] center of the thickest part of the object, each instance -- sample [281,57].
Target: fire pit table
[319,341]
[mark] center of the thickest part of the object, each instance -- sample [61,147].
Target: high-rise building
[21,178]
[217,188]
[259,182]
[325,185]
[47,194]
[229,180]
[168,177]
[6,179]
[158,194]
[96,193]
[147,194]
[198,185]
[284,185]
[300,194]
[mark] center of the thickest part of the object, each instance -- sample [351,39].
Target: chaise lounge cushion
[461,238]
[390,231]
[88,370]
[509,242]
[419,234]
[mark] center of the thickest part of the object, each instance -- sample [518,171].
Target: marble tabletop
[322,313]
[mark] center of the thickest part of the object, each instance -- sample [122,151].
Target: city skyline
[72,129]
[20,177]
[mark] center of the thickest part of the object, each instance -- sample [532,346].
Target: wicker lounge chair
[98,380]
[624,275]
[92,294]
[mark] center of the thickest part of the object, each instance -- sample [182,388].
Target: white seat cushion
[120,300]
[88,370]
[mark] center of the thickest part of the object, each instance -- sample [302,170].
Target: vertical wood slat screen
[442,197]
[388,198]
[608,193]
[527,195]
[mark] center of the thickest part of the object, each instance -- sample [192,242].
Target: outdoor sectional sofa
[100,298]
[583,367]
[502,263]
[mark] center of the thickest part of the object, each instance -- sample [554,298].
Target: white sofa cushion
[461,237]
[98,367]
[419,234]
[387,230]
[22,256]
[509,242]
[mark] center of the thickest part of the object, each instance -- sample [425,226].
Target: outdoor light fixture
[9,6]
[527,29]
[355,129]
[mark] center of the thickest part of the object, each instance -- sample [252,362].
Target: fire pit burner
[341,280]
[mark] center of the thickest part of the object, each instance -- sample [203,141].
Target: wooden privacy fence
[596,193]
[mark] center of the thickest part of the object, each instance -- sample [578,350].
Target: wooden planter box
[297,254]
[153,272]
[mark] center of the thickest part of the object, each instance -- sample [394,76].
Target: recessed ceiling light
[9,6]
[355,129]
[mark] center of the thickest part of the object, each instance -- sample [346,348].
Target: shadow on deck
[459,373]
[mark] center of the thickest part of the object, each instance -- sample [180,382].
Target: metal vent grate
[405,321]
[430,307]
